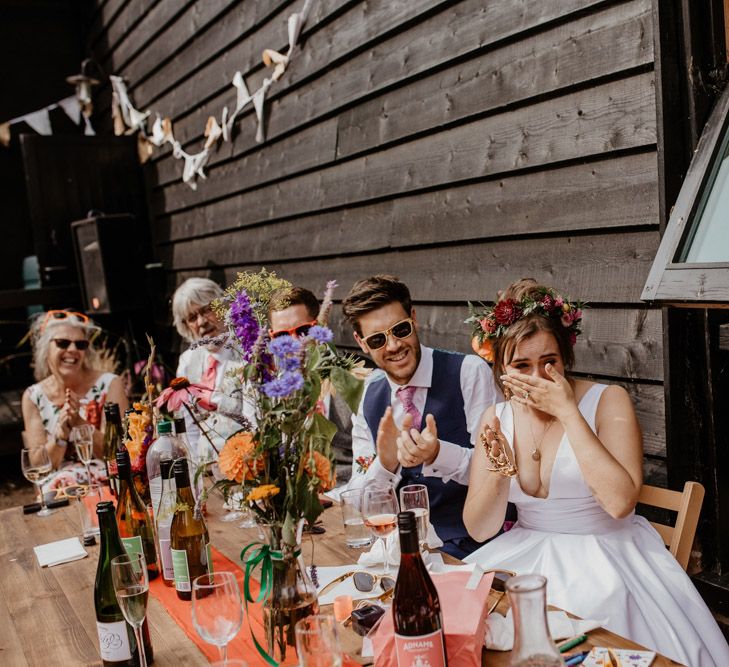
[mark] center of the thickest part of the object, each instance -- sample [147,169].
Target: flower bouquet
[285,460]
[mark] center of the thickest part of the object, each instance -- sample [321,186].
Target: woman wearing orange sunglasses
[70,392]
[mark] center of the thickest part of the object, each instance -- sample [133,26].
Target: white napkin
[63,551]
[376,555]
[500,629]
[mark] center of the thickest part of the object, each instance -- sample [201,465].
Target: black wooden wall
[460,145]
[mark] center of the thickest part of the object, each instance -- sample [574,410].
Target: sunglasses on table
[363,581]
[57,315]
[64,343]
[401,329]
[301,330]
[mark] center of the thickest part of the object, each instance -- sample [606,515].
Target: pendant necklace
[536,452]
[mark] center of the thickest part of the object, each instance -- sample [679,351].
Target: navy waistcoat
[445,403]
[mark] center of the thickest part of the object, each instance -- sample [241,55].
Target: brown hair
[504,346]
[373,293]
[294,296]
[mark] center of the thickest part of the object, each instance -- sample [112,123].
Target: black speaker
[110,257]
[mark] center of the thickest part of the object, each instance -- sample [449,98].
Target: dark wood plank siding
[461,145]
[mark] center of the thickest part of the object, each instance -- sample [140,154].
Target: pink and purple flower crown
[491,322]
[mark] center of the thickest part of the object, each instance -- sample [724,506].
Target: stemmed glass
[131,585]
[217,611]
[414,497]
[379,506]
[234,513]
[317,642]
[83,440]
[37,468]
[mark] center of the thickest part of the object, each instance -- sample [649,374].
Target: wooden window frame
[692,284]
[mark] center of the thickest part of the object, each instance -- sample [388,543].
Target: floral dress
[73,471]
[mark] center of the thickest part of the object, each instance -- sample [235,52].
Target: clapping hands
[418,447]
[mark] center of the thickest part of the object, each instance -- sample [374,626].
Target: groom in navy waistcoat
[419,420]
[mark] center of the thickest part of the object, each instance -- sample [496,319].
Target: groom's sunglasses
[402,329]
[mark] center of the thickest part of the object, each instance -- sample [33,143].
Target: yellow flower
[263,492]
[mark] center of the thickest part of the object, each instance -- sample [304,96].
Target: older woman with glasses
[210,356]
[70,392]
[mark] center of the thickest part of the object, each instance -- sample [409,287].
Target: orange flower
[236,460]
[263,492]
[484,350]
[323,471]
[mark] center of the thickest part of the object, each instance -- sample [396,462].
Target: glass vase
[293,595]
[533,645]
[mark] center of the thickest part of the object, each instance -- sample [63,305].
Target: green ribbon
[260,555]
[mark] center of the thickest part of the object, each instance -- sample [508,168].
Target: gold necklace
[536,452]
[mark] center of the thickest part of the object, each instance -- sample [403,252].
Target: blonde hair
[42,333]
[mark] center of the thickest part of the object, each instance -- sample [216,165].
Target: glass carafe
[533,646]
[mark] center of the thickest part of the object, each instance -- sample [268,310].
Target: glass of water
[356,534]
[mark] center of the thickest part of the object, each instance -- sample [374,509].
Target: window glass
[708,240]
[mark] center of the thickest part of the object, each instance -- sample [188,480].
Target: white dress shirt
[452,463]
[192,365]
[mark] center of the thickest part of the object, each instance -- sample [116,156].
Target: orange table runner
[242,646]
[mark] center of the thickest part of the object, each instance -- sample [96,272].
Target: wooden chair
[680,537]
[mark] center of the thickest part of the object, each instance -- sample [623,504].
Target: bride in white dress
[568,453]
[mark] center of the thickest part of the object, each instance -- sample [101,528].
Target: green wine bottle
[113,438]
[133,520]
[117,644]
[189,541]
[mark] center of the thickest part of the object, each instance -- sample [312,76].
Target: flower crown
[491,322]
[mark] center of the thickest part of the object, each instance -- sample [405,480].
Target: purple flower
[284,386]
[244,323]
[284,346]
[321,334]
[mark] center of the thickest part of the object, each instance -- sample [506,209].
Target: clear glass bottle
[533,646]
[163,515]
[181,435]
[166,446]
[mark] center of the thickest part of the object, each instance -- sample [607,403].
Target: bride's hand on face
[554,396]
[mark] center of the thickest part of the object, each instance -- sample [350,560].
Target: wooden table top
[47,615]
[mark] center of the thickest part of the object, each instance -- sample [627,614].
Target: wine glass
[414,498]
[317,642]
[83,440]
[234,502]
[379,506]
[217,611]
[37,468]
[131,585]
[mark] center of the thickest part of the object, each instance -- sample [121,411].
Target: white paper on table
[628,657]
[500,629]
[62,551]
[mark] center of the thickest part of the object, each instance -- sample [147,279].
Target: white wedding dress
[600,568]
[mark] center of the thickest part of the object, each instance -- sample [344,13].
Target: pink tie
[210,375]
[405,394]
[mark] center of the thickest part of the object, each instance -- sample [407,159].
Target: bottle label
[421,651]
[181,570]
[133,545]
[114,641]
[168,571]
[155,491]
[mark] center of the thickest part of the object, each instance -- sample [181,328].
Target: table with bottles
[48,616]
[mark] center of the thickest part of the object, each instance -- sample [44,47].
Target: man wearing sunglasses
[420,420]
[293,312]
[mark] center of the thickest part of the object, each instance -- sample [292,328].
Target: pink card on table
[598,657]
